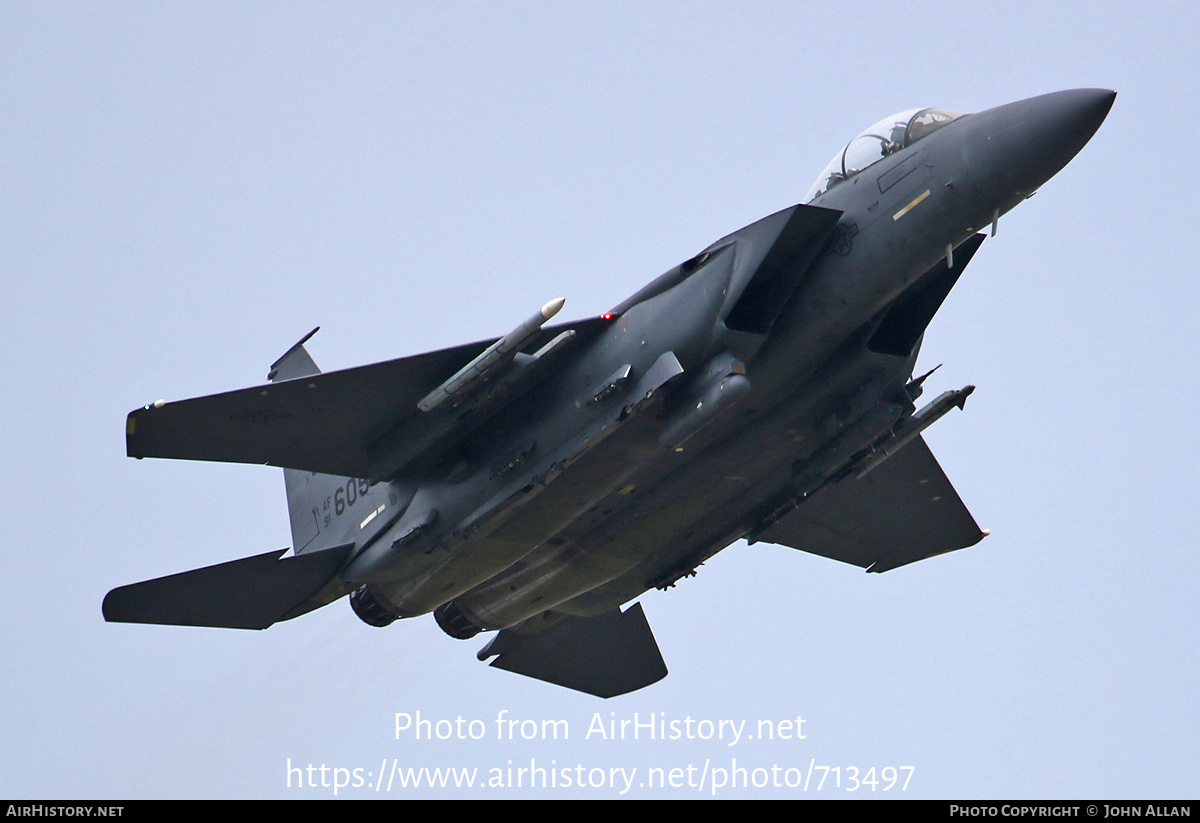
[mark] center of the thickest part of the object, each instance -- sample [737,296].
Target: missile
[913,426]
[490,360]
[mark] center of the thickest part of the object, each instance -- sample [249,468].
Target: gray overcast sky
[186,189]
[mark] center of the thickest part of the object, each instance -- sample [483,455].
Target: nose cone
[1028,142]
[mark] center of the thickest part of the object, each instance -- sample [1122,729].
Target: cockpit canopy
[888,136]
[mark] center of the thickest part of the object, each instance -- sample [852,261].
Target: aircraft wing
[323,423]
[905,510]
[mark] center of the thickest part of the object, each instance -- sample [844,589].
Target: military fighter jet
[532,485]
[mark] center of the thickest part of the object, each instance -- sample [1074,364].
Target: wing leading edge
[903,511]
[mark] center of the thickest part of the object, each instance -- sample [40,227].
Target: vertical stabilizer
[308,493]
[326,510]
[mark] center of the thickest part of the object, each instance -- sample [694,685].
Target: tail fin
[254,592]
[326,510]
[303,510]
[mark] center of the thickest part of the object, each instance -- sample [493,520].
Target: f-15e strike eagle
[532,485]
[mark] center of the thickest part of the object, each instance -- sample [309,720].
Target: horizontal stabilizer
[323,423]
[901,512]
[608,655]
[251,593]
